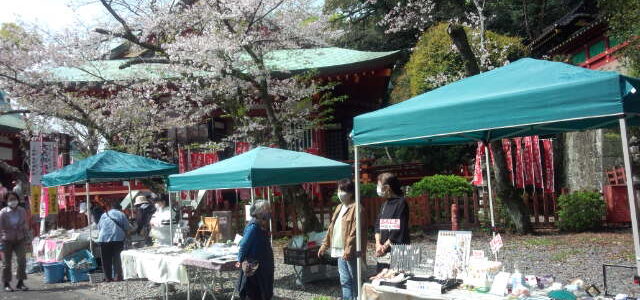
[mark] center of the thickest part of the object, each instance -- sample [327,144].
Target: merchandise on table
[54,245]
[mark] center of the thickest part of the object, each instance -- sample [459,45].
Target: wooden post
[454,217]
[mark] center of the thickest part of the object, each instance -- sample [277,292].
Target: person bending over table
[341,239]
[392,225]
[14,231]
[144,211]
[113,226]
[255,256]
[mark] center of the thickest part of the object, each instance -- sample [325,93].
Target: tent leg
[86,189]
[170,219]
[130,200]
[358,229]
[270,218]
[253,195]
[633,205]
[488,164]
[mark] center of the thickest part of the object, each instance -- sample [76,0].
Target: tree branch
[131,38]
[143,60]
[15,112]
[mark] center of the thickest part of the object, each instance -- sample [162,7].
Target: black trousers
[111,261]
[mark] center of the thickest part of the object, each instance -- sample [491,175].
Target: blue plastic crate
[72,261]
[77,275]
[54,272]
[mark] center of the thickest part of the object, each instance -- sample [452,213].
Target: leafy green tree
[624,23]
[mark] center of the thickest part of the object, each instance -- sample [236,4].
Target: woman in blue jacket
[256,255]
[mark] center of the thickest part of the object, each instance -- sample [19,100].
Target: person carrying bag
[113,228]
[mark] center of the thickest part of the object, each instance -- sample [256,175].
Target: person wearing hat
[144,211]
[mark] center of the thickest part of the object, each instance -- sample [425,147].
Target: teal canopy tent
[527,97]
[261,167]
[109,166]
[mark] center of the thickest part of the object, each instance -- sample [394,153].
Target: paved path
[63,291]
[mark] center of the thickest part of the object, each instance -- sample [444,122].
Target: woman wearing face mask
[394,217]
[341,239]
[14,232]
[255,256]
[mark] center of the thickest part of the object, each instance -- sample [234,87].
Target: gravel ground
[566,256]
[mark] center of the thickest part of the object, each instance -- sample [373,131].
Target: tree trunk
[459,38]
[296,196]
[509,196]
[14,172]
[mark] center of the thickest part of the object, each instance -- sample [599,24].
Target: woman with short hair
[256,255]
[113,226]
[394,213]
[14,231]
[340,240]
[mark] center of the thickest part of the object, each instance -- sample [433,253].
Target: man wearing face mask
[392,225]
[341,239]
[14,233]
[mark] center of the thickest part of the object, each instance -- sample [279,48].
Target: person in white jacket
[160,230]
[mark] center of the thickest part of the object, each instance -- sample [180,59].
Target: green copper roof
[324,60]
[10,122]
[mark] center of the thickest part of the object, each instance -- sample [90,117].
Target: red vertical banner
[528,161]
[62,200]
[477,170]
[549,185]
[182,167]
[72,197]
[519,172]
[182,161]
[242,147]
[537,162]
[506,148]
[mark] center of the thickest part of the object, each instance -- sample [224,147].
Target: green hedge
[580,211]
[440,186]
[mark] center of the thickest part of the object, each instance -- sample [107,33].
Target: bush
[441,185]
[580,211]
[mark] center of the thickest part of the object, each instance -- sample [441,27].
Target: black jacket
[394,208]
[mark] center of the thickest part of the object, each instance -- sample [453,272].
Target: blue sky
[51,14]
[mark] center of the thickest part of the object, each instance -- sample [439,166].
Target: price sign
[390,224]
[496,243]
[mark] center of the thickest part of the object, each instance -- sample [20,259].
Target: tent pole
[488,164]
[86,189]
[170,219]
[130,200]
[271,217]
[358,229]
[633,205]
[253,195]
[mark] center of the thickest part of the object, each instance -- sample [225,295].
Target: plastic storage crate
[301,257]
[77,275]
[81,261]
[96,277]
[54,272]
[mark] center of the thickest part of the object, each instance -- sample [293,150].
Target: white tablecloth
[54,250]
[389,293]
[157,264]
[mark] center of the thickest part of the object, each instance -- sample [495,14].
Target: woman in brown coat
[341,239]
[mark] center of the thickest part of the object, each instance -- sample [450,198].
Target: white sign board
[452,254]
[390,224]
[496,244]
[42,154]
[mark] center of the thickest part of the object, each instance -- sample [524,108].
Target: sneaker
[22,287]
[8,288]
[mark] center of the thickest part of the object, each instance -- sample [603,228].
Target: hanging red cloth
[182,167]
[549,168]
[62,200]
[519,172]
[477,170]
[537,162]
[506,148]
[528,161]
[242,147]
